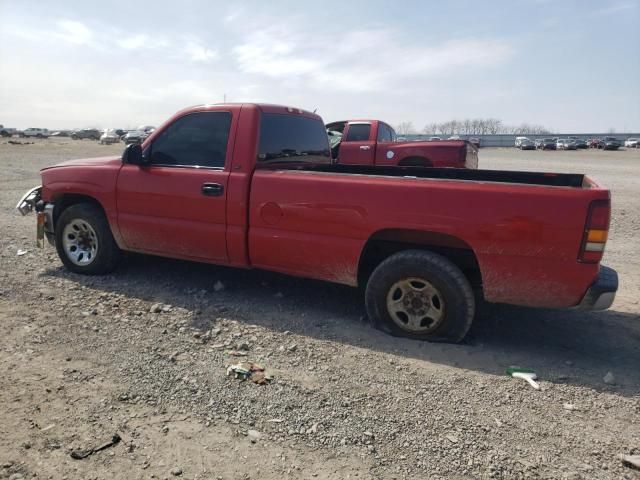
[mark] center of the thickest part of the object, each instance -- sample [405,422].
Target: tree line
[475,126]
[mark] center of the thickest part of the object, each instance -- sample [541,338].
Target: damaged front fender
[29,200]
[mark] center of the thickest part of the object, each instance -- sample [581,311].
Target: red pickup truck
[254,186]
[373,142]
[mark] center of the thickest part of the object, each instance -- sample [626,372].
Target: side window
[197,139]
[384,133]
[358,132]
[292,139]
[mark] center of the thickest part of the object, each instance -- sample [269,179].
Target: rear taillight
[596,231]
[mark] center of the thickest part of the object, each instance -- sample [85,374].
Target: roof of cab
[264,107]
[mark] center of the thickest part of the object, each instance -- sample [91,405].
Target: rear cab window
[385,133]
[291,138]
[358,132]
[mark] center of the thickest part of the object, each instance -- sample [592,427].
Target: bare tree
[405,128]
[477,126]
[430,129]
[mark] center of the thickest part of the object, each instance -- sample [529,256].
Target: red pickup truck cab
[373,142]
[254,186]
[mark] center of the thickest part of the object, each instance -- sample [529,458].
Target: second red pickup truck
[373,142]
[254,186]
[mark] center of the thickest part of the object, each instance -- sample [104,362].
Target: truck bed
[573,180]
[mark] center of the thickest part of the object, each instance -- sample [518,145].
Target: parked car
[475,141]
[90,133]
[580,143]
[632,143]
[147,129]
[565,144]
[434,139]
[527,144]
[594,143]
[109,136]
[272,198]
[547,144]
[134,136]
[35,132]
[7,132]
[454,137]
[519,140]
[61,133]
[374,142]
[610,143]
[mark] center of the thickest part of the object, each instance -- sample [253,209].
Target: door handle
[365,147]
[212,189]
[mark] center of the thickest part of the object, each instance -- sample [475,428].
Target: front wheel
[421,295]
[84,241]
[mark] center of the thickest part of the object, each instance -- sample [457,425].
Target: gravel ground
[143,353]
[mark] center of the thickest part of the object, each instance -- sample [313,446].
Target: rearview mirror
[133,154]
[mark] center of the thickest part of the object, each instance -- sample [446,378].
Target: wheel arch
[415,161]
[386,242]
[63,201]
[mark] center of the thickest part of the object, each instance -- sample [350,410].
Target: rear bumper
[601,294]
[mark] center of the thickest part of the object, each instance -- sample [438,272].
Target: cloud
[363,60]
[199,53]
[615,8]
[134,42]
[73,32]
[176,48]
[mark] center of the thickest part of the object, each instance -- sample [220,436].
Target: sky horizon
[571,66]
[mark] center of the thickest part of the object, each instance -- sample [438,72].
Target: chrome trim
[601,294]
[195,167]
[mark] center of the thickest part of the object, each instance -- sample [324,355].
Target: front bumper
[32,200]
[601,294]
[49,232]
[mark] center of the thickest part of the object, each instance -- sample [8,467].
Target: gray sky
[568,65]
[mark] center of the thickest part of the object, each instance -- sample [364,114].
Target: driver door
[175,204]
[356,147]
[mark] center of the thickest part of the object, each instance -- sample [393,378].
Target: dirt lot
[143,353]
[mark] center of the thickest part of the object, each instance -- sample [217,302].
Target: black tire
[455,297]
[107,254]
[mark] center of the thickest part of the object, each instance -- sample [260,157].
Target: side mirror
[133,155]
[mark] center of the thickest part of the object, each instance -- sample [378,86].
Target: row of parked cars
[574,143]
[473,140]
[105,137]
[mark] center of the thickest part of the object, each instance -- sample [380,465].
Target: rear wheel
[84,241]
[422,295]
